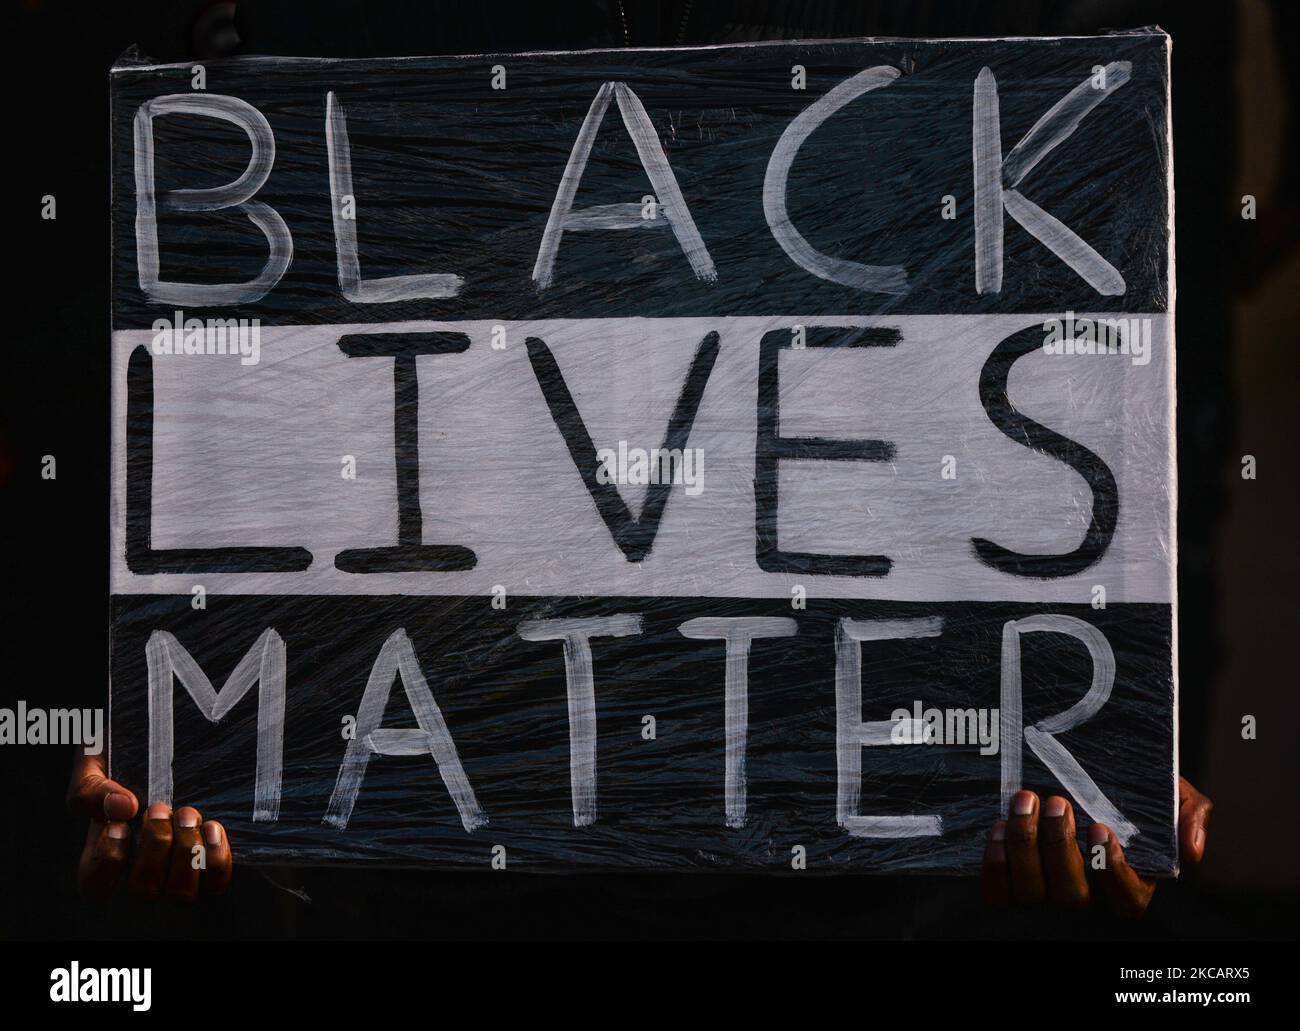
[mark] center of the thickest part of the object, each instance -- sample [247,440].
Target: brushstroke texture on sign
[670,459]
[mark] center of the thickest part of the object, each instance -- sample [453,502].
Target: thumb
[92,794]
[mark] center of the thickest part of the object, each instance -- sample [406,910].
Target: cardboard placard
[721,457]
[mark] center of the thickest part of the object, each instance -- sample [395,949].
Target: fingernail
[1023,804]
[1054,807]
[213,833]
[1000,831]
[1098,835]
[1200,842]
[118,831]
[188,818]
[117,806]
[158,811]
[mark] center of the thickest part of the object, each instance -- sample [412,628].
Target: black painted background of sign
[661,801]
[452,176]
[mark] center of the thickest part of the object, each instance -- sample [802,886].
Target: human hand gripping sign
[177,855]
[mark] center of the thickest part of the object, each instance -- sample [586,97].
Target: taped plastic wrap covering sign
[647,458]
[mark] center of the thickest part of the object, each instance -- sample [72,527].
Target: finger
[215,879]
[153,854]
[1067,880]
[1026,869]
[1194,812]
[187,851]
[994,880]
[1125,893]
[92,794]
[103,858]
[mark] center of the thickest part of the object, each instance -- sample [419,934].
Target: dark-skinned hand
[1033,857]
[164,856]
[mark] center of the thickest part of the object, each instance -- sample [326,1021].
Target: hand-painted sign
[647,458]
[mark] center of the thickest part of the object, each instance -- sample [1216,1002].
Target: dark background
[1234,75]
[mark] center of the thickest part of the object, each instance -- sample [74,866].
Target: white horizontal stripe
[251,455]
